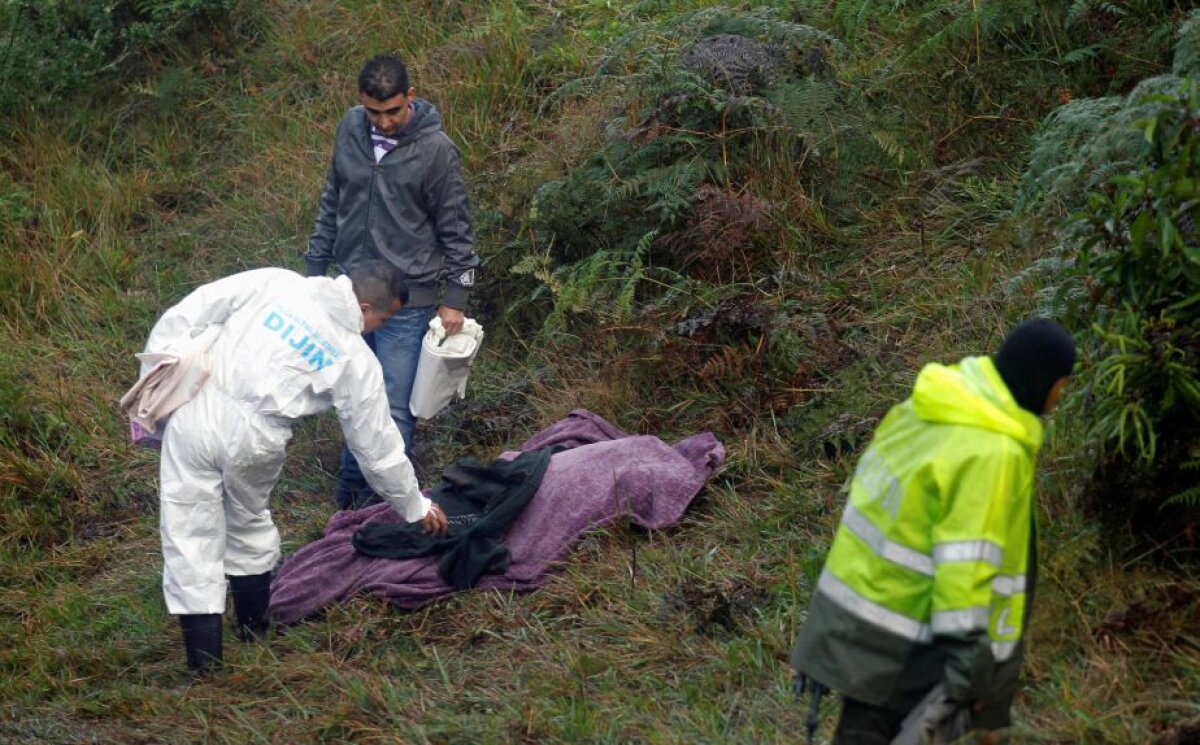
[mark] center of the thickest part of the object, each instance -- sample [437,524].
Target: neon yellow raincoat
[935,547]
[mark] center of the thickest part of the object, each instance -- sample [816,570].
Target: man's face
[391,114]
[1055,393]
[373,319]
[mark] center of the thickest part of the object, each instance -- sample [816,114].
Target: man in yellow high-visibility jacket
[930,576]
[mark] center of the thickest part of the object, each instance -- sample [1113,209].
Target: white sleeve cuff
[411,509]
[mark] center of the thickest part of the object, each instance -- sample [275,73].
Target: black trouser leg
[202,640]
[251,604]
[864,724]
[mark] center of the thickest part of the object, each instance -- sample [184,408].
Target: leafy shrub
[1087,141]
[54,47]
[712,108]
[1187,48]
[1138,261]
[956,67]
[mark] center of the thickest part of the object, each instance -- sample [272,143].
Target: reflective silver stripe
[1008,584]
[956,621]
[968,551]
[876,481]
[861,526]
[1003,650]
[873,613]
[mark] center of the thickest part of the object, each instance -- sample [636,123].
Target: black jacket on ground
[480,502]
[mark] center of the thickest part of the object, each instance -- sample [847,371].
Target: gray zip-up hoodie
[409,209]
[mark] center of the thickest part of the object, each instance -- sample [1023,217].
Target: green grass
[116,208]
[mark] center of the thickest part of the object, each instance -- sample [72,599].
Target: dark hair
[383,76]
[377,283]
[1032,358]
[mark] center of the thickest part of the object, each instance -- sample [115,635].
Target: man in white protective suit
[288,346]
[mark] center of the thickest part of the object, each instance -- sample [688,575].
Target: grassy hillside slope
[773,263]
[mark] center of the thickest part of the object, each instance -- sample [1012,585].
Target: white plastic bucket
[443,366]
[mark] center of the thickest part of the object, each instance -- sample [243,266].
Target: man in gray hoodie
[395,192]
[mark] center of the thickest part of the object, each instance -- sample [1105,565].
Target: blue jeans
[398,346]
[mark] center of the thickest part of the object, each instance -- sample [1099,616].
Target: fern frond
[851,15]
[1077,10]
[1189,498]
[890,145]
[728,364]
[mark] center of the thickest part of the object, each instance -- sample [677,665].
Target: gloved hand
[435,520]
[969,665]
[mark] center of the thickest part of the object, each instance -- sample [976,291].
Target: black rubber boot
[251,604]
[202,640]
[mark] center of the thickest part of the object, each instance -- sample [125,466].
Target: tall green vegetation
[54,49]
[80,182]
[706,153]
[1138,262]
[1085,142]
[1128,271]
[985,71]
[714,119]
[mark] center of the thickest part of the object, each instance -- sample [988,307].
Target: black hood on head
[1031,360]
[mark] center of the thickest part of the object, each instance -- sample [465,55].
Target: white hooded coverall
[289,346]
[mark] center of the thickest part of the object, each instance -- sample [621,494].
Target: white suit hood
[338,298]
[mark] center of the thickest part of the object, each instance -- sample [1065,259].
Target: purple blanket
[607,474]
